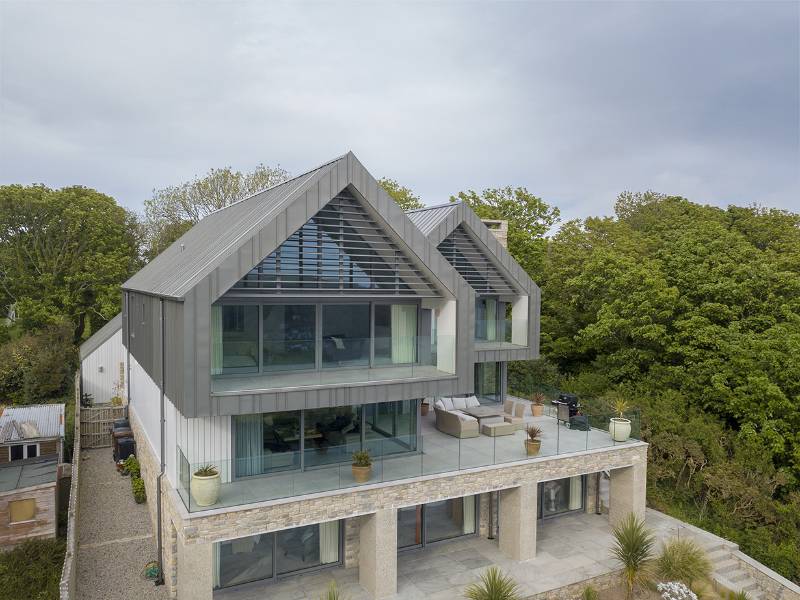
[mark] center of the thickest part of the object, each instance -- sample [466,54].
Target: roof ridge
[443,205]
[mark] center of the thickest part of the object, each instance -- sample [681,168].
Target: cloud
[575,101]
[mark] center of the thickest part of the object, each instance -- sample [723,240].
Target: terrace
[435,453]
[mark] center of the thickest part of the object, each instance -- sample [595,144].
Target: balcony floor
[350,376]
[440,453]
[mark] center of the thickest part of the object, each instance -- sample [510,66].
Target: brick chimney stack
[499,229]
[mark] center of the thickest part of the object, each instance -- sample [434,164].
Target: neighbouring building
[31,448]
[315,319]
[103,374]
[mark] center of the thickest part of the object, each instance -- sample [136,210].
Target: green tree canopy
[407,199]
[63,255]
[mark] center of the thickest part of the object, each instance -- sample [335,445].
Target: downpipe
[159,540]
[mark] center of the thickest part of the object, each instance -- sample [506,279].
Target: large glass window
[331,434]
[391,427]
[486,319]
[290,333]
[561,496]
[436,521]
[345,335]
[234,339]
[267,442]
[488,381]
[395,333]
[266,556]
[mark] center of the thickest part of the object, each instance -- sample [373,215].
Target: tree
[63,255]
[407,199]
[173,210]
[529,219]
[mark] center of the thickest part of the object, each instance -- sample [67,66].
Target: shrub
[131,466]
[332,593]
[741,595]
[589,593]
[362,459]
[675,590]
[207,471]
[683,560]
[494,585]
[633,547]
[137,486]
[32,570]
[534,433]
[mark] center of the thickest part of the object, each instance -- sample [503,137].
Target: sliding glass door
[271,555]
[266,443]
[561,496]
[390,427]
[436,521]
[488,381]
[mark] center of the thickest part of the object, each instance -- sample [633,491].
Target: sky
[574,101]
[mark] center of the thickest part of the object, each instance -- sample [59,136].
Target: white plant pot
[205,490]
[620,429]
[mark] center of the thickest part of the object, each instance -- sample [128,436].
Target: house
[103,374]
[287,331]
[31,447]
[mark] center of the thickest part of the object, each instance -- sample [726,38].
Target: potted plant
[620,427]
[537,408]
[362,466]
[205,485]
[425,408]
[533,443]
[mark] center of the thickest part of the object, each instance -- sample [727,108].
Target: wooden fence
[96,422]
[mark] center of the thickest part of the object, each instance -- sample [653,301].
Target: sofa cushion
[508,407]
[459,403]
[472,402]
[439,404]
[462,416]
[448,403]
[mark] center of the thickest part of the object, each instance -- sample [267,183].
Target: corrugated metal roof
[205,246]
[427,219]
[28,473]
[100,336]
[19,423]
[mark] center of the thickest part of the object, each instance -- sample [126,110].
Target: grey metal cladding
[145,332]
[99,337]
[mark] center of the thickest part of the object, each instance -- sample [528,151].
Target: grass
[32,570]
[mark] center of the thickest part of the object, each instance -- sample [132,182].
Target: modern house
[287,331]
[31,447]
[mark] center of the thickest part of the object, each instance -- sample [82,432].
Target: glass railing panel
[511,332]
[401,457]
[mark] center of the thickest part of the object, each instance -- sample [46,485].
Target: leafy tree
[63,255]
[407,199]
[529,219]
[173,210]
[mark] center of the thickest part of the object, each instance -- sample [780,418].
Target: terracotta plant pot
[205,490]
[620,429]
[537,410]
[362,474]
[532,447]
[425,408]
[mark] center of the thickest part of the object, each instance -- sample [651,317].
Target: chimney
[500,230]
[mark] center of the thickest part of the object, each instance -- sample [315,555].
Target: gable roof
[225,245]
[18,423]
[427,219]
[100,336]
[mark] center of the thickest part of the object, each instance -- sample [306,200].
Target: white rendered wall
[446,320]
[100,371]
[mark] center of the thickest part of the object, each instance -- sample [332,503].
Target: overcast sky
[575,101]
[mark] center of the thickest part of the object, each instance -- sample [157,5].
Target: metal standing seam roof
[101,336]
[427,219]
[28,473]
[48,420]
[200,250]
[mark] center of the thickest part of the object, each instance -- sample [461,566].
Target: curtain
[404,333]
[249,445]
[575,492]
[491,319]
[215,567]
[329,542]
[216,340]
[469,514]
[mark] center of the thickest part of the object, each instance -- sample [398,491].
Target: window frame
[24,446]
[22,521]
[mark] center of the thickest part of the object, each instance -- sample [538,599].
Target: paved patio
[438,453]
[570,548]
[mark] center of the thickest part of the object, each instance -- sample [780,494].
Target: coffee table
[483,412]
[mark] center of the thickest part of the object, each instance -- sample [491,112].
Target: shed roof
[19,423]
[28,473]
[101,336]
[214,238]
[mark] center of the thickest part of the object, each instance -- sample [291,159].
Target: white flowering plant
[675,590]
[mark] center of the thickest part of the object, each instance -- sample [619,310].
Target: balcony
[432,453]
[501,334]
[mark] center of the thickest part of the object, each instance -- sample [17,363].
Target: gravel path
[115,536]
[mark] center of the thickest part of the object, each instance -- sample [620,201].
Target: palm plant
[683,560]
[332,593]
[494,585]
[633,547]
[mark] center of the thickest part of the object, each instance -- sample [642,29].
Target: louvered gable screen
[473,265]
[340,249]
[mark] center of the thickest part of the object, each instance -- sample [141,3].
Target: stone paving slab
[115,535]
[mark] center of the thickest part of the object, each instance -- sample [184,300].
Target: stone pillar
[591,494]
[518,511]
[351,539]
[627,490]
[377,553]
[195,565]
